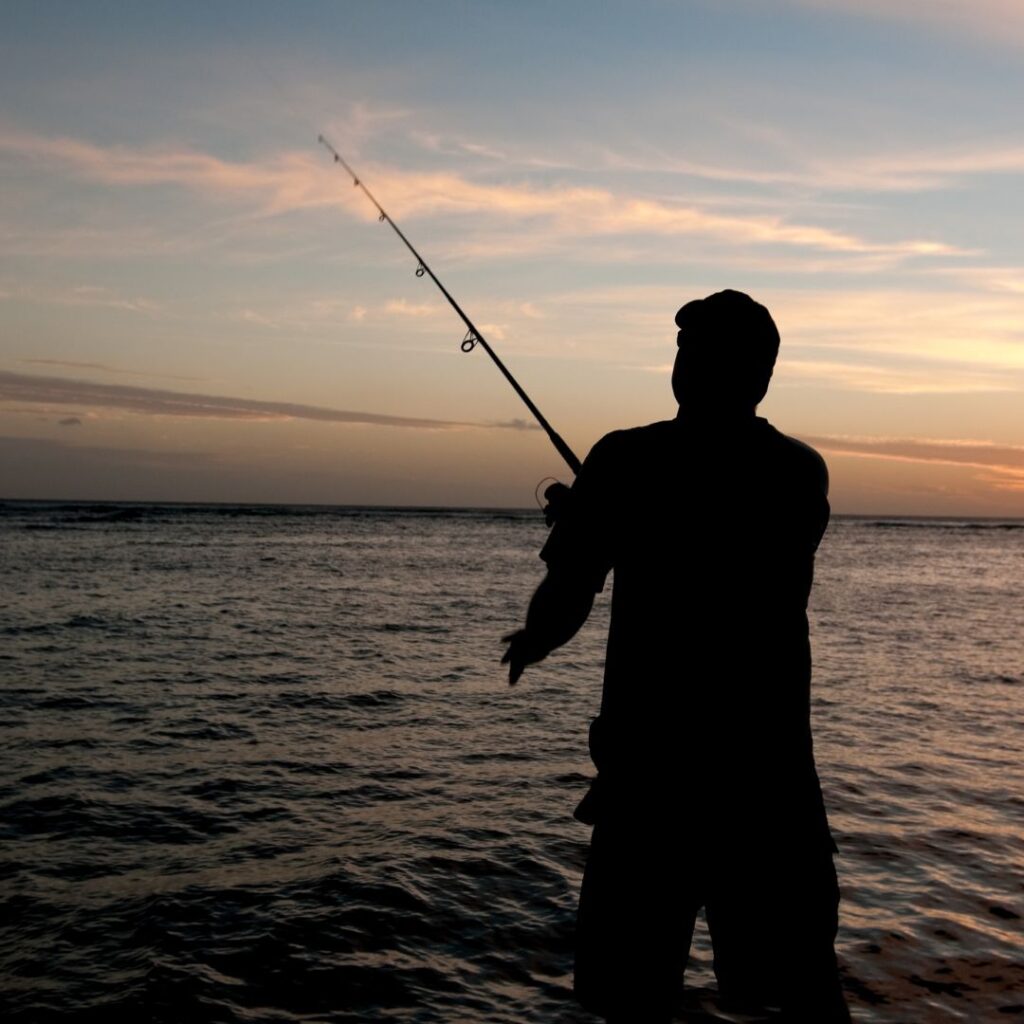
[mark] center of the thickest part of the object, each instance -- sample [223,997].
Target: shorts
[772,915]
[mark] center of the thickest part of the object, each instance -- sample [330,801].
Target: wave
[928,523]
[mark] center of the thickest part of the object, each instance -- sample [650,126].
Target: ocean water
[261,765]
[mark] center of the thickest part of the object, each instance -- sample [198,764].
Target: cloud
[909,171]
[155,402]
[72,364]
[927,169]
[83,295]
[363,121]
[250,316]
[286,182]
[939,332]
[94,295]
[70,421]
[1004,280]
[1004,461]
[574,210]
[299,180]
[516,424]
[808,171]
[402,307]
[913,377]
[451,146]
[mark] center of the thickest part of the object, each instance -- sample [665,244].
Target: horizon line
[390,507]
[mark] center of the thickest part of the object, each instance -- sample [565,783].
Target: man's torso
[712,538]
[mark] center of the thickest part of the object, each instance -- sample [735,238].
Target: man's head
[727,349]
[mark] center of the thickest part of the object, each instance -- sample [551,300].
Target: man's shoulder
[802,458]
[636,447]
[631,439]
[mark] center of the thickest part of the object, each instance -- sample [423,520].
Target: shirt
[711,536]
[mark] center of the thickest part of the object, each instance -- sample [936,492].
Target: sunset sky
[196,304]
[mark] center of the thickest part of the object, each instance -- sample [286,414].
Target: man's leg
[773,925]
[635,923]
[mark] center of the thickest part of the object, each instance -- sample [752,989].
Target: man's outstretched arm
[557,610]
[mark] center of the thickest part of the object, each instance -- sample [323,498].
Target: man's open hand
[559,607]
[522,651]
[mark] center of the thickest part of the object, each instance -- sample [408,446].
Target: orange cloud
[295,181]
[924,378]
[287,182]
[402,307]
[1004,463]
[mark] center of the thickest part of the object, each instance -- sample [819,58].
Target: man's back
[712,539]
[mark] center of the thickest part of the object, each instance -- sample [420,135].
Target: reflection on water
[261,764]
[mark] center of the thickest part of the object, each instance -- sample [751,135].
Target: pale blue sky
[573,171]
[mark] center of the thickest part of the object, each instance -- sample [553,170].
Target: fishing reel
[555,494]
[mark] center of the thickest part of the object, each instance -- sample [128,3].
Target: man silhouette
[707,793]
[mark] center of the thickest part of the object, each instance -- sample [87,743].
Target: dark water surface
[260,764]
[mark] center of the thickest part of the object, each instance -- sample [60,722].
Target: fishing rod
[473,336]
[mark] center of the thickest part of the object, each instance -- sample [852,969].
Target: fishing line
[473,336]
